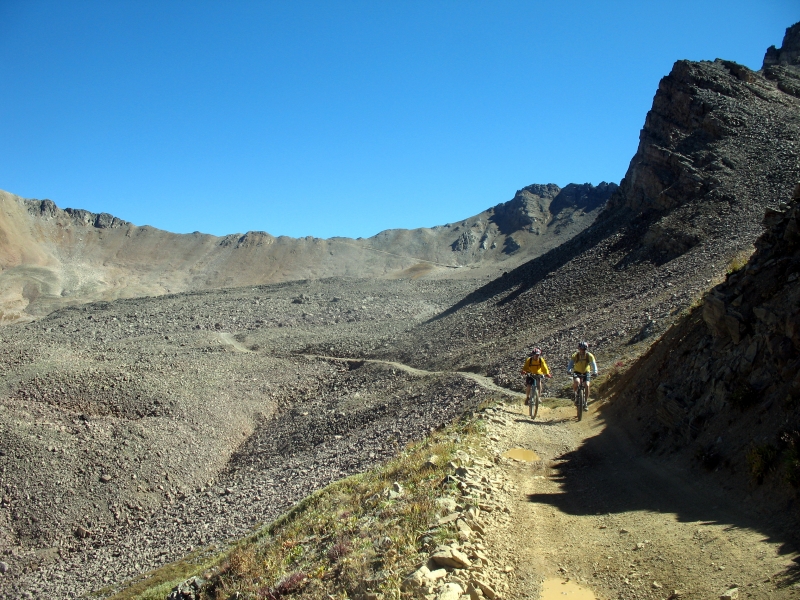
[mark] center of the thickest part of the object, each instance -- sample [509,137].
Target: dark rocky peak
[788,55]
[782,65]
[714,130]
[518,213]
[542,190]
[585,197]
[537,203]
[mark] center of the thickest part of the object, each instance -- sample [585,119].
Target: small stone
[446,504]
[448,518]
[3,567]
[475,593]
[730,594]
[487,590]
[657,585]
[105,478]
[446,556]
[463,527]
[450,591]
[417,579]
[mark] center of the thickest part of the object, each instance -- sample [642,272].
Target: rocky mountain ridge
[52,257]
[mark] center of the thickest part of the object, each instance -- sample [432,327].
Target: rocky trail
[590,517]
[481,380]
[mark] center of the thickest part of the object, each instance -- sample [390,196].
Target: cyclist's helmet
[536,351]
[583,345]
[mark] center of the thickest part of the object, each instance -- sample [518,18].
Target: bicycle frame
[535,394]
[581,393]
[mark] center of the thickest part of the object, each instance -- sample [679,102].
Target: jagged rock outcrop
[528,206]
[536,206]
[782,65]
[789,52]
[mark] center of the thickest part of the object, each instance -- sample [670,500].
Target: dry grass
[343,540]
[739,261]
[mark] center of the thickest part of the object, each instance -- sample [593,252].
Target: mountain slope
[51,257]
[718,147]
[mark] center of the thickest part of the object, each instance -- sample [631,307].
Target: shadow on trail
[608,474]
[541,422]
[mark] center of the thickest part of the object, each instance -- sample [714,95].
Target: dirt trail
[227,339]
[481,380]
[594,512]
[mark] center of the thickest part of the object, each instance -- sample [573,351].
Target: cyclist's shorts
[530,380]
[588,376]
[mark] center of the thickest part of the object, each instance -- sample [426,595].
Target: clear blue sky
[338,118]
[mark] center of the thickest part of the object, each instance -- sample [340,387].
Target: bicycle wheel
[533,407]
[579,401]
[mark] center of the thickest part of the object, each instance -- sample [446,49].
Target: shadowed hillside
[722,385]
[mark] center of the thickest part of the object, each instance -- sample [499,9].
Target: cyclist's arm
[570,365]
[594,365]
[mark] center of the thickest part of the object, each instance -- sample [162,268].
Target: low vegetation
[365,530]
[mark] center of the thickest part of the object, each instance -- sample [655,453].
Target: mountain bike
[536,393]
[581,394]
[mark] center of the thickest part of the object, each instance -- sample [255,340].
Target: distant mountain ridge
[50,257]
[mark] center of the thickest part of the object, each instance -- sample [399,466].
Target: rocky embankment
[722,385]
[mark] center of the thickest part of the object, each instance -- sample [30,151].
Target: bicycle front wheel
[534,404]
[579,401]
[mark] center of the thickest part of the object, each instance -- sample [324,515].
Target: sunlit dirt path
[594,512]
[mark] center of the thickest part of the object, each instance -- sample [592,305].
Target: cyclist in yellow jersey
[534,365]
[582,362]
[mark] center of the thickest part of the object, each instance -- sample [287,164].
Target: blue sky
[338,118]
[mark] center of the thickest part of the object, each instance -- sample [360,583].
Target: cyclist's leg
[588,385]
